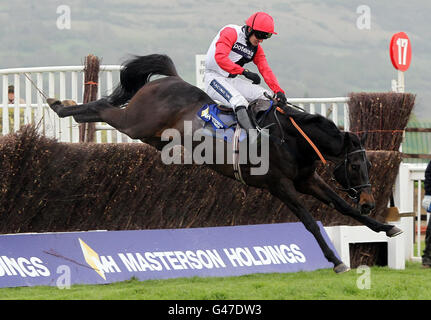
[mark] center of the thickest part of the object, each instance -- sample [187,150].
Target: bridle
[352,191]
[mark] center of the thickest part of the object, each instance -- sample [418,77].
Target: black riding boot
[246,123]
[243,118]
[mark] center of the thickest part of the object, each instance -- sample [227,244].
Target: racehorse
[143,108]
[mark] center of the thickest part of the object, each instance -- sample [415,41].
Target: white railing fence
[336,108]
[408,191]
[62,83]
[67,83]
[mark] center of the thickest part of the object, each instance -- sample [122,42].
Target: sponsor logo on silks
[92,258]
[221,90]
[243,50]
[205,114]
[217,123]
[209,113]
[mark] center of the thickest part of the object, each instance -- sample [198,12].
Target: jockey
[233,47]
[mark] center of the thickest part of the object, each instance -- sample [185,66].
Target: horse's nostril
[367,207]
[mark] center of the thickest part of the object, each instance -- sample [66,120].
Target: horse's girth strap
[235,145]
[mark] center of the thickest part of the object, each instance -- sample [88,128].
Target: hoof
[341,268]
[51,101]
[394,232]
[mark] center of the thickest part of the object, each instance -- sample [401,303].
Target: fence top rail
[319,100]
[56,69]
[416,166]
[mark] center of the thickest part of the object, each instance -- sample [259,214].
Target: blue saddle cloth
[215,119]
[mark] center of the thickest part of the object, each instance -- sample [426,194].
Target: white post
[75,126]
[407,224]
[312,108]
[396,250]
[346,117]
[323,109]
[418,224]
[5,123]
[28,109]
[335,113]
[404,190]
[65,122]
[39,118]
[400,87]
[17,102]
[51,119]
[200,70]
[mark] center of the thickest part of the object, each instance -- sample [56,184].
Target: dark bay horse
[170,102]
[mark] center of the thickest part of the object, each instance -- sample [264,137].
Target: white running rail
[66,82]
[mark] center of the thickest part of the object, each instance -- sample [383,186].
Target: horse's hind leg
[318,188]
[286,192]
[92,108]
[125,120]
[87,117]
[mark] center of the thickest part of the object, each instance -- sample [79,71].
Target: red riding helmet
[261,21]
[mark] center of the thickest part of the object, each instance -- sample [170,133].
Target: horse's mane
[323,130]
[316,120]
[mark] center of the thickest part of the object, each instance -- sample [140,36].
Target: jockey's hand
[426,203]
[280,97]
[252,76]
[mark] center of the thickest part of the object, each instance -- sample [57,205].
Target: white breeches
[232,92]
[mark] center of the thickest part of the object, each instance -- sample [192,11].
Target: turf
[413,283]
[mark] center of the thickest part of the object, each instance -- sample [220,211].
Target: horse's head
[352,173]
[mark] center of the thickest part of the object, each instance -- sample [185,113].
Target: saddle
[220,117]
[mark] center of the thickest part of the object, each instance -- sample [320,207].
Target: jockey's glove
[426,202]
[281,97]
[252,76]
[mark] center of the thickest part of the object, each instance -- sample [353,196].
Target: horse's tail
[136,73]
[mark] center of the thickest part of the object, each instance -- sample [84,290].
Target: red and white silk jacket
[230,51]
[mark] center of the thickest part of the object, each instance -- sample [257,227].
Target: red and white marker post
[400,51]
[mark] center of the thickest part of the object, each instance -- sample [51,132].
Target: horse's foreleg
[318,188]
[286,192]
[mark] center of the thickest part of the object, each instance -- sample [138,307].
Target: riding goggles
[262,35]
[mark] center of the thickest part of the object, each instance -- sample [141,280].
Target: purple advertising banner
[97,257]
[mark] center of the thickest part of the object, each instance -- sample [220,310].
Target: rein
[304,135]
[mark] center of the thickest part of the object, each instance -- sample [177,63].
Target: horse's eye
[355,167]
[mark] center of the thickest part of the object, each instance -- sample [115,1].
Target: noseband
[352,191]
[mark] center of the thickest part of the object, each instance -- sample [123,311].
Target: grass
[385,284]
[415,248]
